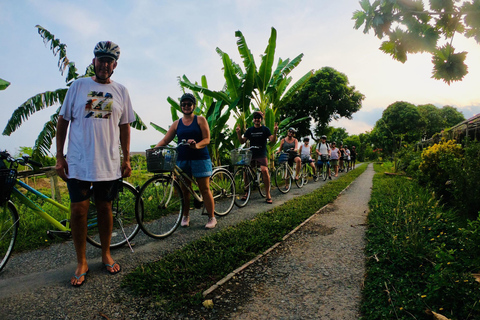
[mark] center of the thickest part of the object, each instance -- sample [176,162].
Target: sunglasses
[186,104]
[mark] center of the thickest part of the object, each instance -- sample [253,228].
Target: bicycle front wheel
[261,184]
[125,225]
[159,206]
[223,191]
[8,231]
[283,179]
[324,172]
[306,169]
[299,181]
[243,189]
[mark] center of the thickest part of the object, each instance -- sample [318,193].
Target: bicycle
[306,171]
[160,201]
[284,174]
[245,176]
[323,169]
[125,226]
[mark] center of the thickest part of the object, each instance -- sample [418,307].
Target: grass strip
[181,276]
[419,256]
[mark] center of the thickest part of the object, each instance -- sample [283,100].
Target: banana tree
[47,99]
[217,113]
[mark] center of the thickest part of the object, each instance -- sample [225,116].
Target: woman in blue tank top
[193,159]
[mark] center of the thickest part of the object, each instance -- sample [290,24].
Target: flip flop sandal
[111,266]
[269,201]
[84,275]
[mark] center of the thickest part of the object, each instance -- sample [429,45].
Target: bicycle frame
[37,209]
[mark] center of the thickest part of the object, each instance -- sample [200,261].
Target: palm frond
[265,71]
[138,123]
[44,140]
[245,53]
[32,105]
[4,84]
[59,49]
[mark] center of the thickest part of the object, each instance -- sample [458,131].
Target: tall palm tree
[47,99]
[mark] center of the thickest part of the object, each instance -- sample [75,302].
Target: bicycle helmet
[107,49]
[292,129]
[323,137]
[306,139]
[188,96]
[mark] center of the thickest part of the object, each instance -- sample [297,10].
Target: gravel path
[320,268]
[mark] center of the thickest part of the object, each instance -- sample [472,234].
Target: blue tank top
[194,132]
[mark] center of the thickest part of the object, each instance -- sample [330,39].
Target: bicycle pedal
[61,234]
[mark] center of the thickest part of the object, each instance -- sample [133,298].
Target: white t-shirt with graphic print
[95,112]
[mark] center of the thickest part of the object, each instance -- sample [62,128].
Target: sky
[163,40]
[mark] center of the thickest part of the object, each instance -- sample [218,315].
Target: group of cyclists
[97,113]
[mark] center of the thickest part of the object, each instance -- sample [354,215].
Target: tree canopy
[410,26]
[325,97]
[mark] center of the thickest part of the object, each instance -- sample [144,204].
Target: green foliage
[177,280]
[325,97]
[4,84]
[410,28]
[419,257]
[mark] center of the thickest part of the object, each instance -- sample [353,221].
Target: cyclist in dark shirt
[258,136]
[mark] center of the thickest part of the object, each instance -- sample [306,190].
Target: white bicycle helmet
[107,49]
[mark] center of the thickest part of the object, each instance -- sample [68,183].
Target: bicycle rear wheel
[243,186]
[8,231]
[125,225]
[283,179]
[159,206]
[223,191]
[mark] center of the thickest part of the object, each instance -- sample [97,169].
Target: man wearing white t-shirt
[323,149]
[99,112]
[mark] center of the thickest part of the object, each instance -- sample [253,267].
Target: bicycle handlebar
[25,159]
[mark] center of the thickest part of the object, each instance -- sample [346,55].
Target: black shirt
[258,137]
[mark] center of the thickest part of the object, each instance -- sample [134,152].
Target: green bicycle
[125,226]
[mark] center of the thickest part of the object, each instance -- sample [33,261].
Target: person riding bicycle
[334,156]
[289,145]
[341,164]
[193,159]
[258,136]
[323,149]
[353,156]
[305,154]
[93,151]
[348,157]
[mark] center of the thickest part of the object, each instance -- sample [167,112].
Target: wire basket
[8,178]
[161,159]
[282,157]
[240,157]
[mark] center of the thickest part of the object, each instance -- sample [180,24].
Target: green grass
[419,255]
[180,277]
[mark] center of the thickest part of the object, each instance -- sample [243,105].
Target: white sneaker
[212,222]
[185,221]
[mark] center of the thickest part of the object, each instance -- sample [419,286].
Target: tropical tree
[266,89]
[431,119]
[451,116]
[4,84]
[217,114]
[47,99]
[324,97]
[413,27]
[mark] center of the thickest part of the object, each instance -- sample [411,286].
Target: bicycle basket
[240,157]
[7,181]
[161,159]
[324,158]
[282,158]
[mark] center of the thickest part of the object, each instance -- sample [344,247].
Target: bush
[441,163]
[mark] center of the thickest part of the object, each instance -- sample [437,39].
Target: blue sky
[161,40]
